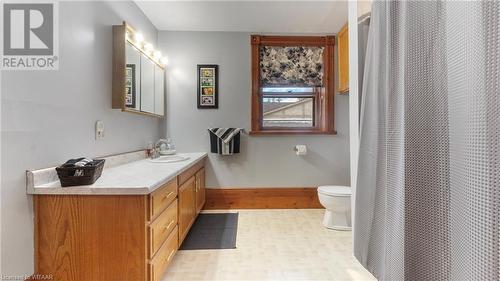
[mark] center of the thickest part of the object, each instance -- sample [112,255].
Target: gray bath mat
[212,231]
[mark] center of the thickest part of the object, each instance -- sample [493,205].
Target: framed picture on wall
[208,86]
[130,93]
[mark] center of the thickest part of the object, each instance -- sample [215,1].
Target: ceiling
[309,17]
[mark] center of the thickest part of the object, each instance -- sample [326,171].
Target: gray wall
[264,161]
[48,116]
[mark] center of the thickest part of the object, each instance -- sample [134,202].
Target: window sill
[290,132]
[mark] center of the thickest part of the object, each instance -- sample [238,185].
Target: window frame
[324,103]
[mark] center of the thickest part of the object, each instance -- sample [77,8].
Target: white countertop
[137,177]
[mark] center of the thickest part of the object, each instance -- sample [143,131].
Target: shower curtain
[428,190]
[363,28]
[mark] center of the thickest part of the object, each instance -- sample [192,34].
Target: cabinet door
[187,207]
[200,190]
[159,90]
[147,85]
[343,58]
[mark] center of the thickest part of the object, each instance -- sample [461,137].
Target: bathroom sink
[169,159]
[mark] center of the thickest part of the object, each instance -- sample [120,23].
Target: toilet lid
[335,190]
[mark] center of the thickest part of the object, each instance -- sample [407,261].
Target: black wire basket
[86,175]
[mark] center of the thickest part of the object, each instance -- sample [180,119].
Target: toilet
[337,202]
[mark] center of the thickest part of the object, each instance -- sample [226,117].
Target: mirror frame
[120,39]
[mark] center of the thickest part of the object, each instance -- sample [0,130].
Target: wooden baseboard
[262,198]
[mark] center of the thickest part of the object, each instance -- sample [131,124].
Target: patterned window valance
[291,66]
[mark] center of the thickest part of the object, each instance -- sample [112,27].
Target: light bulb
[157,54]
[139,37]
[164,60]
[148,47]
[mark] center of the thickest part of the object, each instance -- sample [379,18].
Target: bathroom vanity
[127,226]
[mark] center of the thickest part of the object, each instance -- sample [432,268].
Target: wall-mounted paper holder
[300,149]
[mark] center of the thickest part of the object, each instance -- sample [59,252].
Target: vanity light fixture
[164,60]
[148,47]
[139,38]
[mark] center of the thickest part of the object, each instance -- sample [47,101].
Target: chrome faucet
[156,148]
[163,146]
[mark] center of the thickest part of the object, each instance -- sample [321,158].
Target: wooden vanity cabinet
[91,237]
[116,237]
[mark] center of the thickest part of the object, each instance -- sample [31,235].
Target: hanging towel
[225,141]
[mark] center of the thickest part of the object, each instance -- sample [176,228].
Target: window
[288,107]
[292,85]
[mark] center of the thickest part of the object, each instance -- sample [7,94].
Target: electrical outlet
[99,130]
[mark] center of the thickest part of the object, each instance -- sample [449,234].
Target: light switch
[99,130]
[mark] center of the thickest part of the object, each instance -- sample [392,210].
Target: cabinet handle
[170,256]
[168,226]
[168,195]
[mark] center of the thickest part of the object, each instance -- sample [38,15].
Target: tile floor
[275,245]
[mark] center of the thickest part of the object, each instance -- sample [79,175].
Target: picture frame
[130,87]
[208,86]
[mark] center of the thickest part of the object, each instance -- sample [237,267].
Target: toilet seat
[335,190]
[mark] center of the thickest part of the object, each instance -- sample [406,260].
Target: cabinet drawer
[159,263]
[184,176]
[161,198]
[161,227]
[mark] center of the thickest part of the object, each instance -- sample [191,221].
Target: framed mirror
[138,74]
[132,77]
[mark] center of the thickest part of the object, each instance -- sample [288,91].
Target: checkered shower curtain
[428,190]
